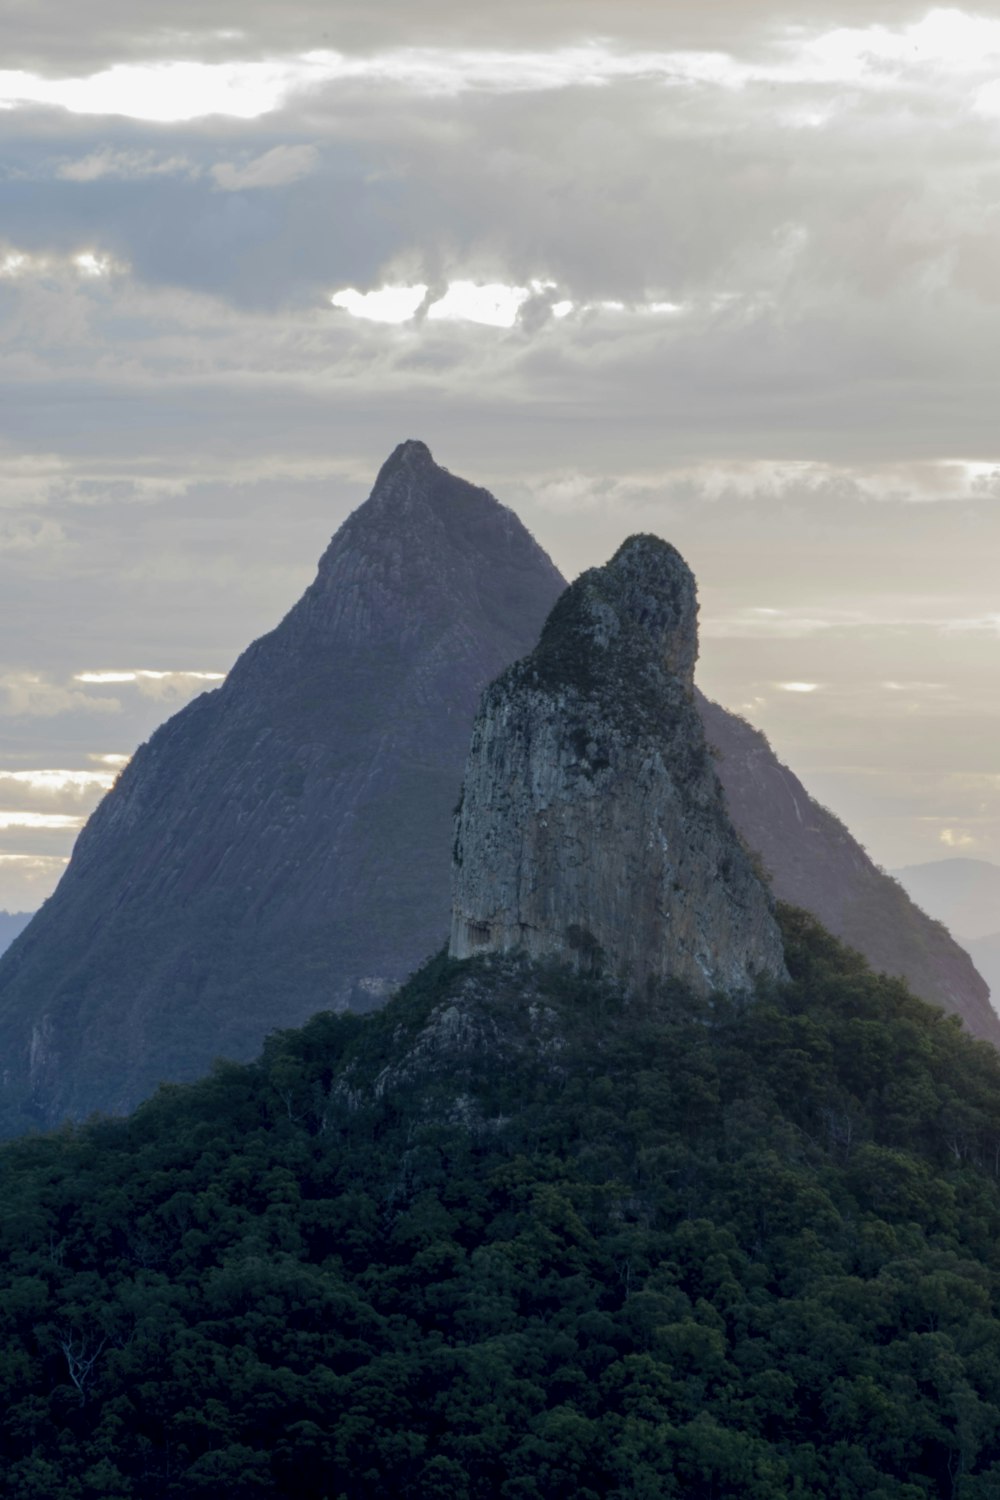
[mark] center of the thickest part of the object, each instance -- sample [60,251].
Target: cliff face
[282,845]
[592,826]
[815,863]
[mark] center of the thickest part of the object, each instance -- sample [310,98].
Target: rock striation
[283,844]
[592,827]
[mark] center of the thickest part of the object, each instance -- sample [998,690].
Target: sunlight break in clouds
[51,821]
[948,43]
[798,687]
[54,781]
[494,304]
[389,304]
[145,676]
[956,838]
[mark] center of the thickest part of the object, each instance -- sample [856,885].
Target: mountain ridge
[283,844]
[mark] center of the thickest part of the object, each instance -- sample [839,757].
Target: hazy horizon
[730,278]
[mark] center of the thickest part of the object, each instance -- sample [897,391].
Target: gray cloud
[185,418]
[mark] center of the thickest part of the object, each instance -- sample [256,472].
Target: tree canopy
[518,1236]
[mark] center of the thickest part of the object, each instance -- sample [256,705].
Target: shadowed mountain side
[816,864]
[283,844]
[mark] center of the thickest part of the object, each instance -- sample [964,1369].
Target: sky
[726,273]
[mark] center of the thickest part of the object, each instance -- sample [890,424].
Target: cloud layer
[727,273]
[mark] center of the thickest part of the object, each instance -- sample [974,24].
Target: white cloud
[88,263]
[947,45]
[389,304]
[956,838]
[57,781]
[163,687]
[492,303]
[53,822]
[145,675]
[22,265]
[130,165]
[29,695]
[797,687]
[280,165]
[163,92]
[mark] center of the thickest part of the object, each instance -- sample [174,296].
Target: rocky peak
[592,826]
[283,844]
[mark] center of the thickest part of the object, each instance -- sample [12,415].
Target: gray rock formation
[592,825]
[283,844]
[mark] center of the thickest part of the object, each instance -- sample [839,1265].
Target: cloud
[31,534]
[164,687]
[50,822]
[55,781]
[33,696]
[956,838]
[130,166]
[280,165]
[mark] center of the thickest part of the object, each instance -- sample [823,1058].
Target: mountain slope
[516,1237]
[815,863]
[962,893]
[283,844]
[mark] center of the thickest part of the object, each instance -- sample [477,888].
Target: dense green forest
[515,1236]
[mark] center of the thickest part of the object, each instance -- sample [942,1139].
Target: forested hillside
[515,1236]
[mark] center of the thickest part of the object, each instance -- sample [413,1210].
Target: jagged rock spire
[592,825]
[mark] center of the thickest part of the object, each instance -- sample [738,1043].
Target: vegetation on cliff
[514,1236]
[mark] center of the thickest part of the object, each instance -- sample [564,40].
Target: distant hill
[11,923]
[964,894]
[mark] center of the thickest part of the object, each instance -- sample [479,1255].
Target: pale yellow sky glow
[146,675]
[56,821]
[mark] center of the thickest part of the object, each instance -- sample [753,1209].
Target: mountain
[815,863]
[964,894]
[11,924]
[283,844]
[521,1236]
[592,827]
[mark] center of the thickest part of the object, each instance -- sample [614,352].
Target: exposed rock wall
[592,826]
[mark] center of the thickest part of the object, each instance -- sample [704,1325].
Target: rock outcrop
[592,826]
[283,844]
